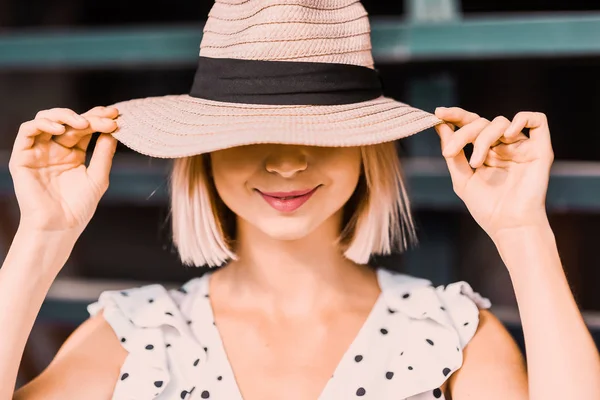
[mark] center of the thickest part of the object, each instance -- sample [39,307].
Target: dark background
[131,241]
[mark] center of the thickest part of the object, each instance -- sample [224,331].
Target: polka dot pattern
[409,345]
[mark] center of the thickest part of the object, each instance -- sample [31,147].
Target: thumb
[458,166]
[101,161]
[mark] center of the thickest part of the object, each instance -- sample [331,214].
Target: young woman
[287,178]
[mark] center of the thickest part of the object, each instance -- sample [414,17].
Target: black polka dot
[437,393]
[402,353]
[183,394]
[158,383]
[457,349]
[150,300]
[383,331]
[206,349]
[169,313]
[361,392]
[196,362]
[389,375]
[168,345]
[124,376]
[182,290]
[189,321]
[124,294]
[214,323]
[391,311]
[429,341]
[446,371]
[442,308]
[149,347]
[410,368]
[219,378]
[406,295]
[123,340]
[466,323]
[206,295]
[358,358]
[205,395]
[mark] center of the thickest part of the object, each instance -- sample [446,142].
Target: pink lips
[288,201]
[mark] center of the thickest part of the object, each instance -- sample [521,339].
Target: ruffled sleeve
[149,324]
[436,325]
[462,305]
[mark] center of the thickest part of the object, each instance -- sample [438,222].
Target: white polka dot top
[410,343]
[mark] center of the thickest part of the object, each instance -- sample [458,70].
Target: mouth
[288,201]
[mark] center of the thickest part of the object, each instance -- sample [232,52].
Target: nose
[286,161]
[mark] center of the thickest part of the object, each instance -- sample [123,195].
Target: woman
[287,177]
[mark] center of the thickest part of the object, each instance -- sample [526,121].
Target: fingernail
[79,118]
[440,109]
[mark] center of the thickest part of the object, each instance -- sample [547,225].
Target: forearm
[562,359]
[31,265]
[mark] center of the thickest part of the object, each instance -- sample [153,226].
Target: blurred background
[491,57]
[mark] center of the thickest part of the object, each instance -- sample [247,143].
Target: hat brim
[177,126]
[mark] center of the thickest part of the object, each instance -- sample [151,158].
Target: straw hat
[275,71]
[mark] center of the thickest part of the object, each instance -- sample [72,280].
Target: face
[286,191]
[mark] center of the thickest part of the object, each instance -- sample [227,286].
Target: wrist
[40,252]
[527,248]
[536,226]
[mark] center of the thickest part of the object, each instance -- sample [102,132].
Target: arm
[493,366]
[562,359]
[504,186]
[86,366]
[30,267]
[57,196]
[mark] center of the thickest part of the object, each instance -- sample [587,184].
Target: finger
[458,166]
[493,160]
[31,129]
[64,116]
[456,115]
[101,111]
[80,138]
[101,161]
[487,138]
[463,136]
[517,152]
[513,139]
[535,121]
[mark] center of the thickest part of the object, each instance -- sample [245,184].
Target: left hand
[505,182]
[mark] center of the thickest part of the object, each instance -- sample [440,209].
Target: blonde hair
[377,219]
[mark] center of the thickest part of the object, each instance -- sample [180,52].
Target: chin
[286,230]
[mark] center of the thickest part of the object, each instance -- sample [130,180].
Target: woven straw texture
[326,31]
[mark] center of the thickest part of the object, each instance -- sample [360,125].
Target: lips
[288,201]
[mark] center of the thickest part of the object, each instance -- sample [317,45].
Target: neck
[297,275]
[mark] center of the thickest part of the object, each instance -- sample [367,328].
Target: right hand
[55,190]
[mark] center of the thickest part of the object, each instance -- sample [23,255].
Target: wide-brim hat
[275,71]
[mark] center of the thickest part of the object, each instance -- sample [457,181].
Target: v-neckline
[221,352]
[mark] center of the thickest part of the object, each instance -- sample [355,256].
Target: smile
[288,201]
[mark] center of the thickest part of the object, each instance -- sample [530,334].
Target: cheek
[230,177]
[343,173]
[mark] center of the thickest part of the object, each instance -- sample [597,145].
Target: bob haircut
[376,218]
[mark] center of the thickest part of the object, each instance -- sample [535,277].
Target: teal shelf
[394,40]
[139,181]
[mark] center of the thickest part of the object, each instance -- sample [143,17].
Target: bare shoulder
[493,366]
[86,366]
